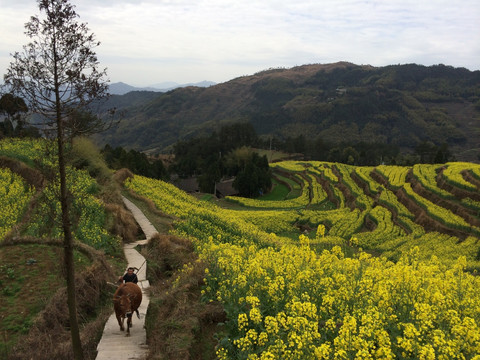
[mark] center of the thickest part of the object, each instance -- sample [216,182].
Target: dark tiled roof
[188,185]
[225,188]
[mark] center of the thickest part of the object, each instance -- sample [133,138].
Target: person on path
[129,276]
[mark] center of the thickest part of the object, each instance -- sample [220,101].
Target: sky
[148,42]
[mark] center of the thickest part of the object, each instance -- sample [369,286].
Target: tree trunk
[67,233]
[68,256]
[60,61]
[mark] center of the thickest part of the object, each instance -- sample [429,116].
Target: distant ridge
[121,88]
[337,104]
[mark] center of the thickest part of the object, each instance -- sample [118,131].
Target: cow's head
[124,304]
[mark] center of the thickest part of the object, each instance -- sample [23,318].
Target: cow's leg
[129,323]
[120,320]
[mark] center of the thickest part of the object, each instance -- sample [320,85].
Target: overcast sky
[154,41]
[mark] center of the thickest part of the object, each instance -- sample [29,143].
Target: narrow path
[114,345]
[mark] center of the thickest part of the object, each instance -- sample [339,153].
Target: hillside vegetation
[342,103]
[363,262]
[337,262]
[33,288]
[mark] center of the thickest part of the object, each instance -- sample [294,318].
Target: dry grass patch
[48,335]
[179,325]
[122,223]
[122,175]
[30,175]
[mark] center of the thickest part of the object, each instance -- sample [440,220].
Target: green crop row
[395,175]
[443,215]
[426,175]
[364,201]
[363,172]
[385,229]
[453,175]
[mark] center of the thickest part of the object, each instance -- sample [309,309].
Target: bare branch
[57,75]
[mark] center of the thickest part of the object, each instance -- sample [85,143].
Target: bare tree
[57,74]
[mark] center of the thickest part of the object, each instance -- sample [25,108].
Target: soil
[467,175]
[466,213]
[328,189]
[364,186]
[460,193]
[350,200]
[421,216]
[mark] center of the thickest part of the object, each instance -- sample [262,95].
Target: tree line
[228,153]
[216,156]
[363,153]
[137,162]
[222,154]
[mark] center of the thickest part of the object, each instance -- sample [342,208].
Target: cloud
[152,41]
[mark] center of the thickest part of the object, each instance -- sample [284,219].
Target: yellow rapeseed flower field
[14,197]
[288,299]
[87,210]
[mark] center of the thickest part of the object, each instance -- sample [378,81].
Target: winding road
[114,345]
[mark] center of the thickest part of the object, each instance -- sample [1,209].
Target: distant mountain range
[120,88]
[340,103]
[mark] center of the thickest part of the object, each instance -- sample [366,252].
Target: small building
[189,185]
[225,188]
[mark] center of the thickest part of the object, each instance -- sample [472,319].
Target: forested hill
[342,102]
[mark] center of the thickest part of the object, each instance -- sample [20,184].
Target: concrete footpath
[114,345]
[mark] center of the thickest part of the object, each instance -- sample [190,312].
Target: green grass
[206,197]
[295,188]
[295,193]
[279,192]
[30,276]
[292,183]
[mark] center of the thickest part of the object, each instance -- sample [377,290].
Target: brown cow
[126,300]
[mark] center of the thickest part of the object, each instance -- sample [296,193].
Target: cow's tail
[138,314]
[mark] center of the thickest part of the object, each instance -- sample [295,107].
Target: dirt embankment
[309,186]
[288,175]
[179,325]
[31,176]
[460,193]
[328,189]
[49,336]
[364,186]
[350,200]
[421,216]
[467,214]
[467,175]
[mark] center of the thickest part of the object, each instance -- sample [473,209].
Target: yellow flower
[255,315]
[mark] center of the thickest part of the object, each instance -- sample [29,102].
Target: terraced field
[342,262]
[31,252]
[352,263]
[391,203]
